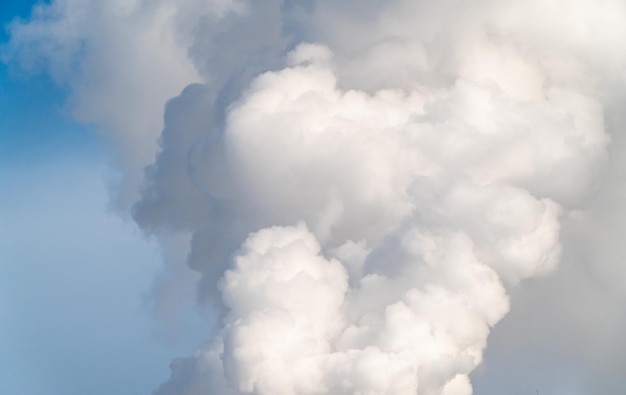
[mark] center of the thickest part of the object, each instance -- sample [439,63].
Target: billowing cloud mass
[357,185]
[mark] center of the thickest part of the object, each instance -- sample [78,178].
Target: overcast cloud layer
[358,187]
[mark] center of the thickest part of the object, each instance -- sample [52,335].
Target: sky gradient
[73,275]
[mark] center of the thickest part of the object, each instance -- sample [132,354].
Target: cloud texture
[361,183]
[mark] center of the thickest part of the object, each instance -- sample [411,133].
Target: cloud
[121,61]
[399,172]
[362,184]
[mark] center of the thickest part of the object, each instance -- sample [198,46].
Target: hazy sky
[367,198]
[73,275]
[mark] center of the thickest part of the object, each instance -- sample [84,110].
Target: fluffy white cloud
[429,195]
[294,328]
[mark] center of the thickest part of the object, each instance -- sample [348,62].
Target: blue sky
[73,275]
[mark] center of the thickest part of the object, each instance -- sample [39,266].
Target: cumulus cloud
[438,194]
[362,183]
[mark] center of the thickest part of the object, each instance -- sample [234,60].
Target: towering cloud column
[363,181]
[414,208]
